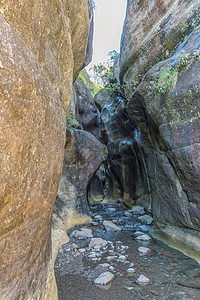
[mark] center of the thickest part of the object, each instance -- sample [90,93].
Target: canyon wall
[164,109]
[43,46]
[151,123]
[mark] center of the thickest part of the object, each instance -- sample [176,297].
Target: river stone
[143,237]
[110,226]
[83,233]
[143,250]
[142,280]
[138,210]
[98,218]
[97,242]
[131,271]
[122,258]
[104,278]
[138,233]
[82,250]
[111,258]
[146,219]
[105,265]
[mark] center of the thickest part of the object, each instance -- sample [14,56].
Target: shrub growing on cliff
[167,80]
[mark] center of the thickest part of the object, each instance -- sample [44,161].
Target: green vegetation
[71,118]
[93,86]
[167,80]
[104,71]
[168,76]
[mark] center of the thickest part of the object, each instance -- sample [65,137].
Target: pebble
[82,250]
[127,213]
[98,218]
[131,271]
[111,268]
[138,210]
[143,250]
[73,246]
[92,255]
[83,233]
[105,265]
[104,278]
[142,280]
[146,219]
[94,223]
[110,226]
[143,237]
[138,233]
[110,258]
[97,242]
[122,258]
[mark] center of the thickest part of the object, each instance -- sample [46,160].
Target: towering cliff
[153,136]
[43,46]
[152,31]
[165,108]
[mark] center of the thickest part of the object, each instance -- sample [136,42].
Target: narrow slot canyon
[100,165]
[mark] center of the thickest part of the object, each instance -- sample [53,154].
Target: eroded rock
[104,278]
[37,62]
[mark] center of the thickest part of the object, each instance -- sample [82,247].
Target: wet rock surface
[159,273]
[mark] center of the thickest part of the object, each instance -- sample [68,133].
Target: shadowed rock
[168,117]
[83,155]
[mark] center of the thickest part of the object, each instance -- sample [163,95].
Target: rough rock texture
[83,155]
[86,112]
[42,47]
[169,120]
[124,166]
[96,190]
[152,31]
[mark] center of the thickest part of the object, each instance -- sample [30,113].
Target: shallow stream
[170,274]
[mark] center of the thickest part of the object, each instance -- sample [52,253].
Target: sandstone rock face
[40,53]
[83,155]
[152,31]
[168,116]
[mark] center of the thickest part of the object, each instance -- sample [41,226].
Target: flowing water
[172,275]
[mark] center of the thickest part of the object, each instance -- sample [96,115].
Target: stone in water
[104,278]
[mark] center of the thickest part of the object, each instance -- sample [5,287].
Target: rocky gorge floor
[115,257]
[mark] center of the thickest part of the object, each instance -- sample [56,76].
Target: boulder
[37,66]
[82,157]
